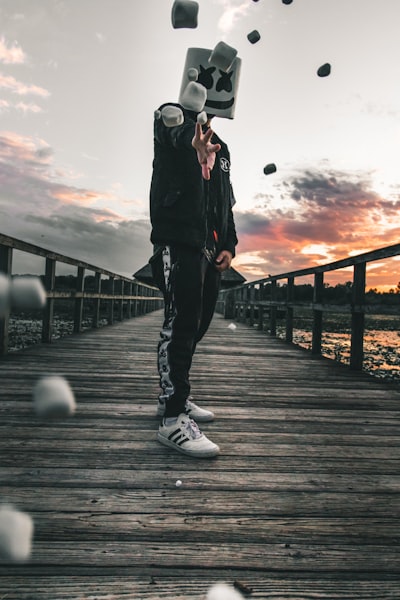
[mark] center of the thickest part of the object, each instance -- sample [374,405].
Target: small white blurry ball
[232,326]
[16,531]
[53,398]
[222,591]
[172,116]
[202,118]
[192,74]
[178,483]
[4,294]
[27,293]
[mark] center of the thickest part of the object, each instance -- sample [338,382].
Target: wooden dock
[302,503]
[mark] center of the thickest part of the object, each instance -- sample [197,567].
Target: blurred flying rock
[16,531]
[4,294]
[172,116]
[253,36]
[53,398]
[232,326]
[194,96]
[202,118]
[223,56]
[27,293]
[270,168]
[324,70]
[184,14]
[222,591]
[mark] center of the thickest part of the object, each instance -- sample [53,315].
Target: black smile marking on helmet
[221,104]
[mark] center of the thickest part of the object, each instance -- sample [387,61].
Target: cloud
[233,10]
[328,216]
[30,108]
[7,82]
[39,208]
[11,54]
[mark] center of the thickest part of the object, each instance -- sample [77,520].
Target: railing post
[261,294]
[252,292]
[111,283]
[229,305]
[289,309]
[6,268]
[358,317]
[80,282]
[135,302]
[129,302]
[96,301]
[121,302]
[316,346]
[48,311]
[273,309]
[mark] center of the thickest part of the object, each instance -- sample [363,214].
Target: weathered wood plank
[303,501]
[170,500]
[154,585]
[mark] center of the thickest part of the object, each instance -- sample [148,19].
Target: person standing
[194,238]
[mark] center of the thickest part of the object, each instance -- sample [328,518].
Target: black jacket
[179,195]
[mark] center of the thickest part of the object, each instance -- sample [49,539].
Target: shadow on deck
[302,503]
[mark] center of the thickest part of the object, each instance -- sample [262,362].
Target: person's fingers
[208,135]
[197,134]
[214,147]
[205,171]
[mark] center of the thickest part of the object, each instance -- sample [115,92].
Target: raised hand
[206,151]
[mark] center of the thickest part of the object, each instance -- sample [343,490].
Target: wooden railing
[251,300]
[129,297]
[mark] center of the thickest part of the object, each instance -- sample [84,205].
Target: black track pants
[190,286]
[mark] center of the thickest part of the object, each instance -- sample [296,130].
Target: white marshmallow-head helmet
[221,85]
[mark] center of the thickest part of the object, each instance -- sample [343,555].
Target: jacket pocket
[171,198]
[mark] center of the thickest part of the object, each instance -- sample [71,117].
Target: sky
[80,81]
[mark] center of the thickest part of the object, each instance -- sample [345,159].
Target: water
[381,341]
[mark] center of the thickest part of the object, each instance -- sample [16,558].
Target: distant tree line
[341,293]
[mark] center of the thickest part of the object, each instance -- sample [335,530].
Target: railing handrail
[243,300]
[16,244]
[365,257]
[131,297]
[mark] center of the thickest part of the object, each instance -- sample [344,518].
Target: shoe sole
[161,412]
[192,453]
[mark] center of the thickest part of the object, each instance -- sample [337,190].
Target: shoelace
[192,429]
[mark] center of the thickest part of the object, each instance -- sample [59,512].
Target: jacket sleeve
[231,237]
[180,136]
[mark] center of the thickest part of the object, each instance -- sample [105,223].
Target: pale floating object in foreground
[222,591]
[270,168]
[253,36]
[232,326]
[192,74]
[223,56]
[53,398]
[202,118]
[178,483]
[324,70]
[16,531]
[27,293]
[4,294]
[184,14]
[172,116]
[194,96]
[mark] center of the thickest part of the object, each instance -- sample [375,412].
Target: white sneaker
[185,436]
[195,412]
